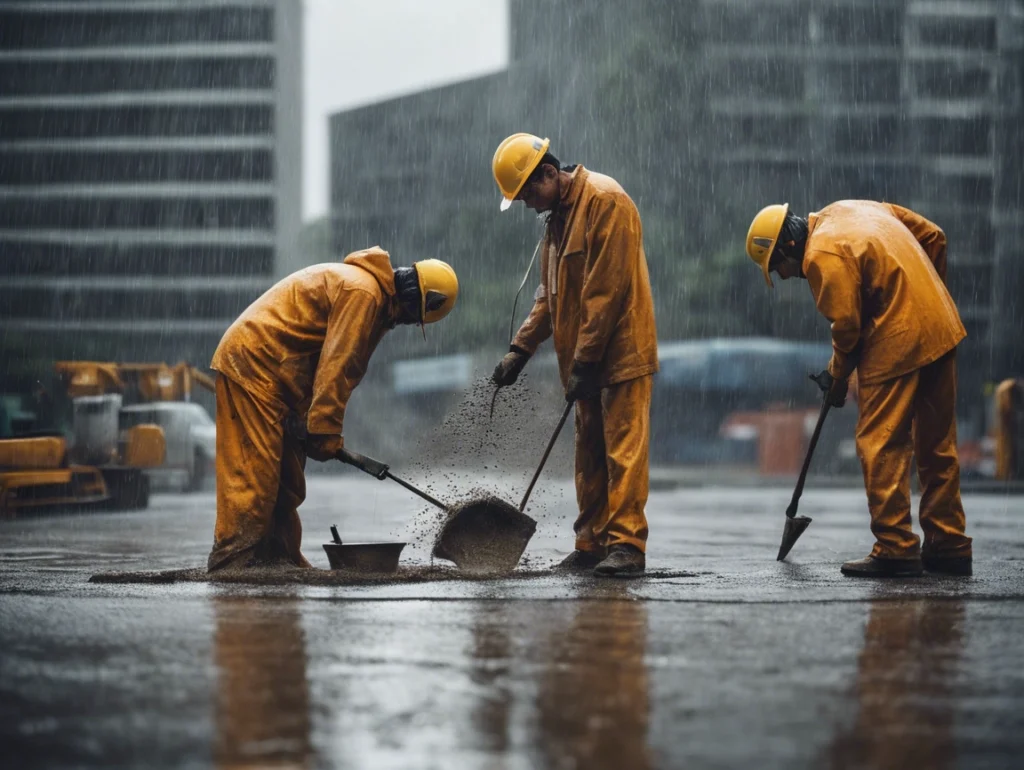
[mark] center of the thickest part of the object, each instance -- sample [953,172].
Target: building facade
[149,173]
[705,111]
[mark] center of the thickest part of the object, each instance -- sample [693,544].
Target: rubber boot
[579,561]
[623,561]
[873,567]
[961,566]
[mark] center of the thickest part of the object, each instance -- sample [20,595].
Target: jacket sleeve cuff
[841,366]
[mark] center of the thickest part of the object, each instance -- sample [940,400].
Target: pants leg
[624,447]
[885,448]
[938,466]
[285,537]
[591,474]
[251,459]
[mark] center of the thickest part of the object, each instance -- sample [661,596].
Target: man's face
[541,192]
[783,265]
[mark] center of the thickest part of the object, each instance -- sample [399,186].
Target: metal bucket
[369,558]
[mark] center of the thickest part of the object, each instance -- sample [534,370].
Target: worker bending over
[286,369]
[877,272]
[594,298]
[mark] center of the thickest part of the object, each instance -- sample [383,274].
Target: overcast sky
[363,51]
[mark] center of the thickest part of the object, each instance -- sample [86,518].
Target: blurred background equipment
[145,394]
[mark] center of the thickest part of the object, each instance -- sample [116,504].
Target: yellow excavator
[102,463]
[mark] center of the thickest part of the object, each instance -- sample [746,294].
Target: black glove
[834,389]
[321,446]
[508,369]
[295,427]
[376,469]
[584,381]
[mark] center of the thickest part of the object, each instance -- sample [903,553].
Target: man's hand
[584,381]
[375,468]
[322,446]
[834,389]
[508,369]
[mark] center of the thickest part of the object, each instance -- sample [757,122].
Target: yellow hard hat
[514,160]
[439,288]
[762,235]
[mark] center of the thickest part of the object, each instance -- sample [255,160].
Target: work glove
[834,390]
[367,465]
[584,381]
[322,446]
[507,371]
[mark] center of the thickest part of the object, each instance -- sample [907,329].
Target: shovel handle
[544,459]
[825,406]
[415,491]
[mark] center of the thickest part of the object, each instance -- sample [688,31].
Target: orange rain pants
[260,482]
[612,447]
[913,415]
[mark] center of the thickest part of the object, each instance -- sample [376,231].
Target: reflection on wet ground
[733,660]
[262,709]
[906,676]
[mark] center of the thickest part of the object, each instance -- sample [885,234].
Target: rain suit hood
[377,263]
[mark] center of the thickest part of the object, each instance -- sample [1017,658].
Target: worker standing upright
[877,272]
[595,299]
[287,368]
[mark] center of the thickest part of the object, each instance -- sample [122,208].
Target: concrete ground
[742,662]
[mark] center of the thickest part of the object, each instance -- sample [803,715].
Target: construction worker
[594,298]
[877,271]
[286,369]
[1009,405]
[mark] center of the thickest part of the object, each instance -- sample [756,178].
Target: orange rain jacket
[306,342]
[877,272]
[595,292]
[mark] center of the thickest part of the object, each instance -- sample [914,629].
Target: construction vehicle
[132,424]
[157,394]
[102,466]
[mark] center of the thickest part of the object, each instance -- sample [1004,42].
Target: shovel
[795,525]
[485,535]
[489,535]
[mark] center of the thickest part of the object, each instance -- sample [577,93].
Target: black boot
[962,566]
[875,567]
[579,561]
[623,561]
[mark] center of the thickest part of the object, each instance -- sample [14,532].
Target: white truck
[190,437]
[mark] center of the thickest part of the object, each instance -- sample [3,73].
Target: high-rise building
[149,173]
[917,102]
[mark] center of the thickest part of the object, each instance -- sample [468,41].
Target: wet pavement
[729,659]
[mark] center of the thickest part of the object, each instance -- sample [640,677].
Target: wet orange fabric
[300,349]
[913,415]
[594,298]
[260,481]
[612,450]
[595,292]
[877,272]
[307,341]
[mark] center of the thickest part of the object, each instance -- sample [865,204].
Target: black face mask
[407,290]
[794,231]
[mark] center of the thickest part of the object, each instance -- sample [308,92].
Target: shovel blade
[795,526]
[485,536]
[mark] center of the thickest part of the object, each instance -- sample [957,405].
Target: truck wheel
[129,490]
